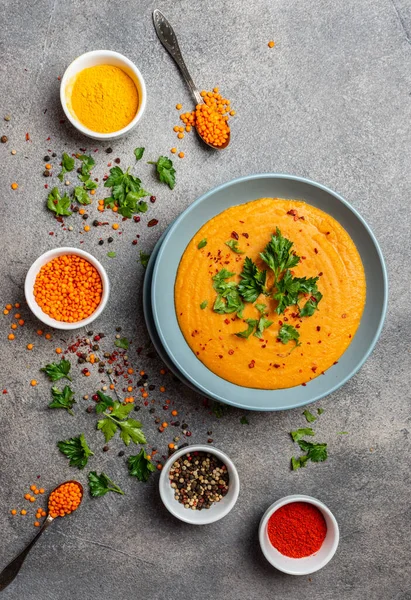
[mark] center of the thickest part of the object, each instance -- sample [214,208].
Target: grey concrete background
[332,101]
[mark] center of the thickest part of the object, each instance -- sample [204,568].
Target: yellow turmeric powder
[104,98]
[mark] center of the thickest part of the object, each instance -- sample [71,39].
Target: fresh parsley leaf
[296,463]
[67,165]
[233,244]
[165,170]
[88,161]
[202,243]
[263,323]
[278,256]
[311,305]
[77,450]
[59,205]
[315,452]
[310,418]
[252,282]
[104,402]
[111,254]
[342,432]
[228,299]
[298,434]
[262,308]
[244,421]
[55,371]
[138,153]
[320,411]
[144,258]
[203,305]
[62,399]
[140,466]
[101,484]
[288,333]
[126,193]
[130,429]
[247,332]
[81,195]
[122,343]
[89,184]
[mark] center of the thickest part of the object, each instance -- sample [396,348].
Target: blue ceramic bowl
[241,191]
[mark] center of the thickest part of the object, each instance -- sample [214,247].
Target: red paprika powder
[297,529]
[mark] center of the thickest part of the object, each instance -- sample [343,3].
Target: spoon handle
[12,569]
[168,38]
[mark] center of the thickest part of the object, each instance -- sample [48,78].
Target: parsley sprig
[58,204]
[101,484]
[77,450]
[56,371]
[67,165]
[140,466]
[228,296]
[130,429]
[126,192]
[62,399]
[165,170]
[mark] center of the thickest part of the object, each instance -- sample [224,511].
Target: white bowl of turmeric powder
[103,94]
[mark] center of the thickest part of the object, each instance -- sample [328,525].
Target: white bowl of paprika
[103,94]
[298,535]
[66,288]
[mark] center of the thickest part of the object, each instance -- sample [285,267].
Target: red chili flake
[62,121]
[315,250]
[5,392]
[343,316]
[292,212]
[252,364]
[318,328]
[313,369]
[220,356]
[51,232]
[46,185]
[48,139]
[28,137]
[276,366]
[227,321]
[245,235]
[297,326]
[304,384]
[152,223]
[303,257]
[231,352]
[320,274]
[335,363]
[234,235]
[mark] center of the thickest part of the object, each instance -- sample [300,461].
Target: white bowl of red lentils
[298,535]
[66,288]
[222,480]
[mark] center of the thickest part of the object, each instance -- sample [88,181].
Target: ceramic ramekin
[92,59]
[308,564]
[208,515]
[31,277]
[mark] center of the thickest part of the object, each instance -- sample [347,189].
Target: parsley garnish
[126,192]
[122,343]
[77,450]
[203,305]
[277,254]
[55,371]
[296,463]
[165,170]
[315,452]
[140,466]
[288,333]
[144,258]
[81,195]
[104,402]
[130,430]
[244,421]
[219,409]
[202,243]
[247,332]
[310,418]
[233,244]
[311,305]
[138,153]
[85,175]
[263,323]
[228,299]
[252,282]
[101,484]
[62,399]
[320,411]
[262,308]
[58,204]
[111,254]
[298,434]
[67,165]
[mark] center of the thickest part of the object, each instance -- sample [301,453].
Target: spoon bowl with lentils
[199,484]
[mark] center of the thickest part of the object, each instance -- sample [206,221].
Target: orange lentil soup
[326,251]
[68,288]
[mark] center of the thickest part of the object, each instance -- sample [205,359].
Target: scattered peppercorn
[4,139]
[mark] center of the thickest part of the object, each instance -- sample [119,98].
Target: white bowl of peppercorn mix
[298,535]
[199,484]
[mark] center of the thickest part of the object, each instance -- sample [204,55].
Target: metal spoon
[10,572]
[168,38]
